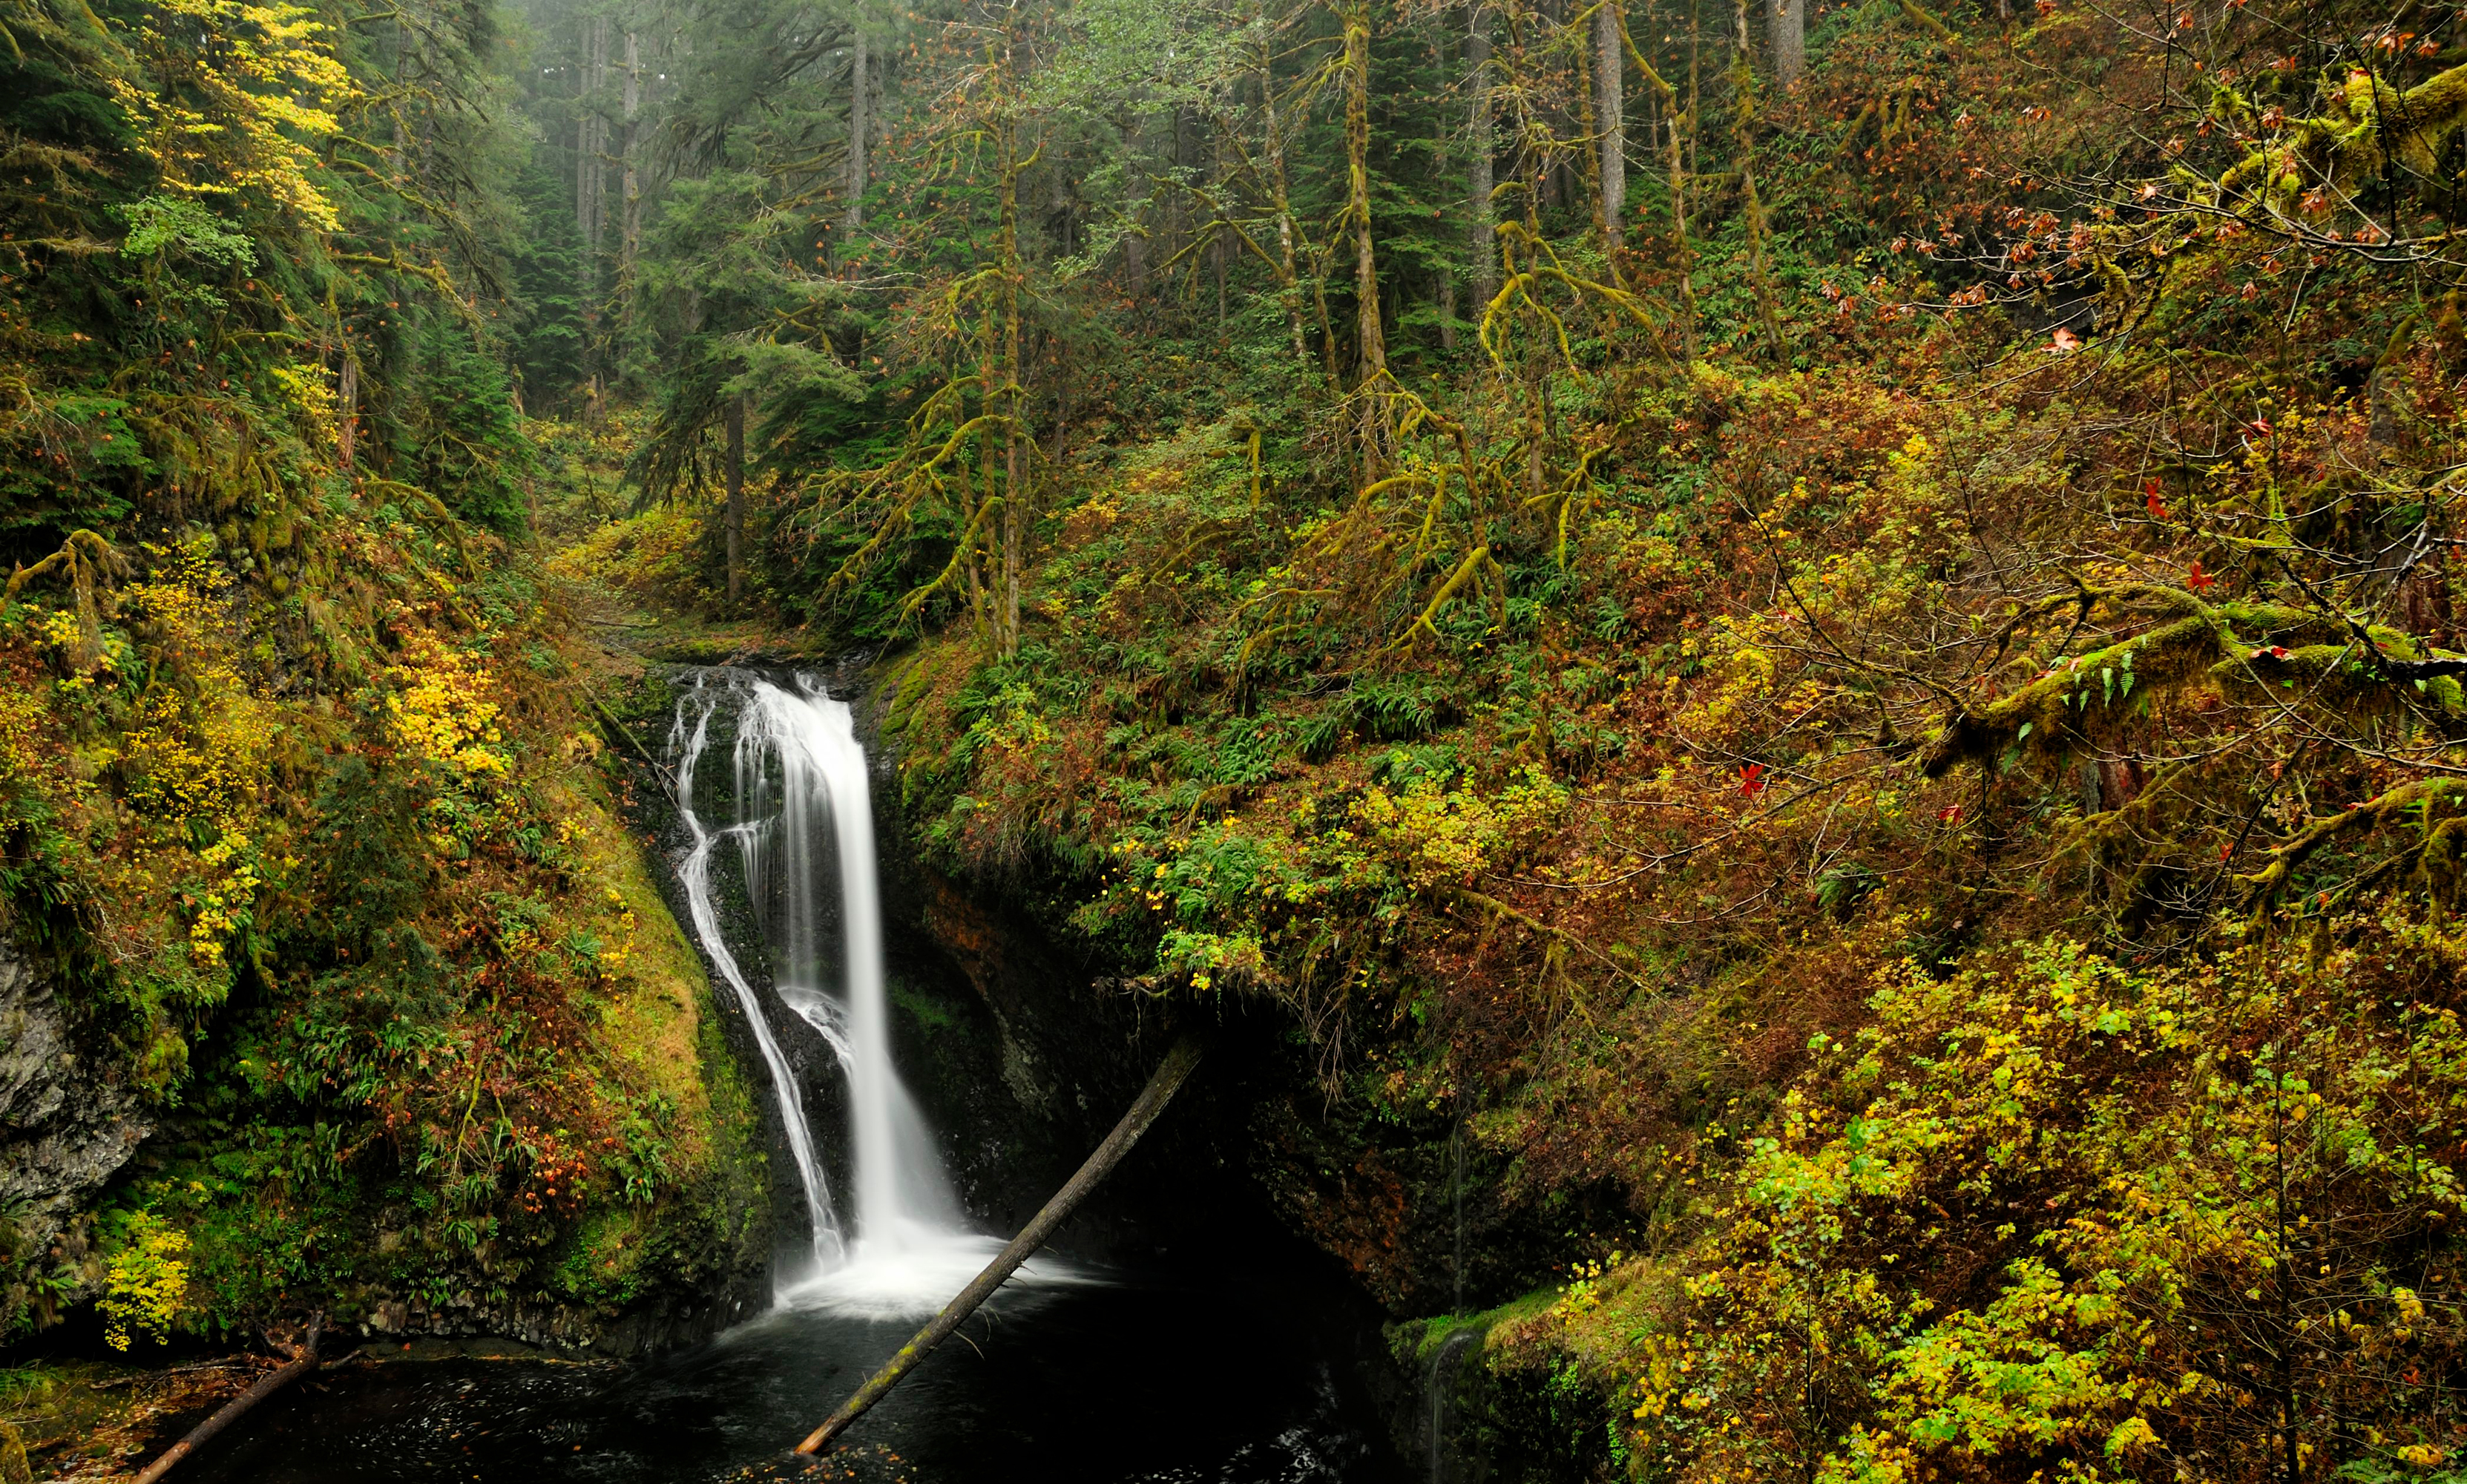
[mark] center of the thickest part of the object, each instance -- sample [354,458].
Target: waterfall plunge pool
[1197,1370]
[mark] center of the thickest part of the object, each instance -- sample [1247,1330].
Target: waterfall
[805,816]
[693,873]
[1442,1391]
[799,765]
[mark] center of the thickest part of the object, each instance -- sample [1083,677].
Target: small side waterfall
[805,814]
[1445,1363]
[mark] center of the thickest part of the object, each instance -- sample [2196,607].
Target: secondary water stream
[1229,1358]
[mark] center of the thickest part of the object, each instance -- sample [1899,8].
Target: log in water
[1171,1075]
[304,1359]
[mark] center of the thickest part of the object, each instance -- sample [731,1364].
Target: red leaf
[2197,579]
[1751,780]
[2150,493]
[1951,813]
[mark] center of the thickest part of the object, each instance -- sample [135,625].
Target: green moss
[931,1014]
[1416,1342]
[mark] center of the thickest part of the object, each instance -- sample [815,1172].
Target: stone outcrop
[68,1119]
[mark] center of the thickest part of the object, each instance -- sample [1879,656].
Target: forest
[1543,567]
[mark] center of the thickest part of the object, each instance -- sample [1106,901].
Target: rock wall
[69,1119]
[607,1330]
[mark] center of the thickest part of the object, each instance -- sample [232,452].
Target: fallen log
[304,1359]
[1170,1074]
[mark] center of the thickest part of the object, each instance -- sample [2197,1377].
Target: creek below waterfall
[1181,1370]
[1173,1333]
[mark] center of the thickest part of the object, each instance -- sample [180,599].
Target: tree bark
[1483,149]
[1376,427]
[1372,347]
[590,192]
[860,65]
[1015,480]
[590,143]
[1220,244]
[736,477]
[630,203]
[1171,1075]
[1743,121]
[1787,21]
[1681,252]
[304,1359]
[1609,116]
[1135,242]
[347,409]
[1180,151]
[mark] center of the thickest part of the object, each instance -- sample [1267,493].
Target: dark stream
[1243,1377]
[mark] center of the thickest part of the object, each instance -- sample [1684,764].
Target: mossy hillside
[457,1048]
[1757,755]
[301,805]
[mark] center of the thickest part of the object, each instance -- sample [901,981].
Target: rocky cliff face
[68,1118]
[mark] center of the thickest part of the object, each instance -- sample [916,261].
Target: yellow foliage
[1453,835]
[309,387]
[220,903]
[195,758]
[654,553]
[242,114]
[446,710]
[1747,669]
[149,1278]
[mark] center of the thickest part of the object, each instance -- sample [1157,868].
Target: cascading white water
[800,770]
[799,765]
[693,874]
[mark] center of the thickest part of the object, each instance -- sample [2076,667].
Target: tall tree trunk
[1610,117]
[974,536]
[1530,164]
[1220,247]
[1481,148]
[1787,22]
[860,85]
[1371,339]
[591,143]
[1371,343]
[1589,154]
[1016,513]
[736,477]
[582,159]
[589,194]
[630,222]
[347,409]
[1135,242]
[1743,86]
[1177,218]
